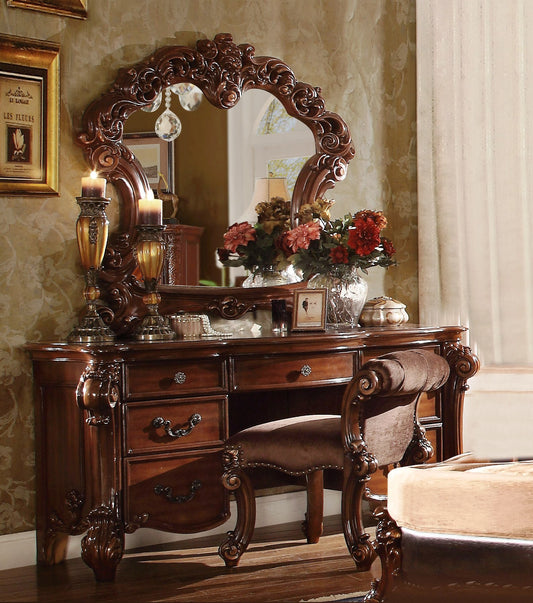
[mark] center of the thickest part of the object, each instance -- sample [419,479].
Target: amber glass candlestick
[150,252]
[91,232]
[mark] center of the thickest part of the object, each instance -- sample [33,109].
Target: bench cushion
[296,445]
[494,499]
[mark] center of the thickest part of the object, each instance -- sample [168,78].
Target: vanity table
[129,434]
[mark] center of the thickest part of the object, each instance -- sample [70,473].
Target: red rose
[363,238]
[339,255]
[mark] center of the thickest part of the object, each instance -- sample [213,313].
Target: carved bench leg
[313,525]
[388,547]
[357,540]
[235,480]
[103,545]
[232,549]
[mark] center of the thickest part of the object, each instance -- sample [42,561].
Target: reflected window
[276,120]
[263,140]
[287,168]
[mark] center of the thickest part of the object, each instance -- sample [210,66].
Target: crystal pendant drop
[168,126]
[181,88]
[191,99]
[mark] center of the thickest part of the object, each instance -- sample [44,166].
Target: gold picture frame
[64,8]
[29,120]
[309,310]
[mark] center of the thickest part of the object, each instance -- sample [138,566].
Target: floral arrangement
[319,243]
[315,246]
[258,246]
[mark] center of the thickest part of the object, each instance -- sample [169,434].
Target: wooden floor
[278,567]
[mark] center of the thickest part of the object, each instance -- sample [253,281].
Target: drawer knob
[180,378]
[166,491]
[178,432]
[305,370]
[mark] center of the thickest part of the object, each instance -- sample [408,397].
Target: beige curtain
[475,158]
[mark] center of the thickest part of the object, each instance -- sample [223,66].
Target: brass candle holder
[92,229]
[150,253]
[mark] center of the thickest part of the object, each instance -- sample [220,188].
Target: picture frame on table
[63,8]
[309,310]
[29,120]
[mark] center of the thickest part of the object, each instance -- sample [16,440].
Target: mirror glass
[255,139]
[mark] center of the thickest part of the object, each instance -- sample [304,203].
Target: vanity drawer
[175,377]
[180,493]
[291,370]
[155,426]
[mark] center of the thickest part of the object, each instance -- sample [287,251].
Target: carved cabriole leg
[98,394]
[103,545]
[313,525]
[387,546]
[360,465]
[463,365]
[236,480]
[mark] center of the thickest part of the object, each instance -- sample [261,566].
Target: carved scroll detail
[74,502]
[387,546]
[98,392]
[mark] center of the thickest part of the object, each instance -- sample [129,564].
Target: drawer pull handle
[177,432]
[305,370]
[180,377]
[166,491]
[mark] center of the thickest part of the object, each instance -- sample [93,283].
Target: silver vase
[346,294]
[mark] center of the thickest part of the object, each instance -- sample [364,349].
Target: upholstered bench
[458,531]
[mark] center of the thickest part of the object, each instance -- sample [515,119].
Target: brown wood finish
[223,71]
[182,255]
[85,395]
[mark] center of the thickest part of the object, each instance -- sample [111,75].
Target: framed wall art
[309,310]
[155,155]
[64,8]
[29,119]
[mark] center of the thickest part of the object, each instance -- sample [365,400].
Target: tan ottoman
[465,527]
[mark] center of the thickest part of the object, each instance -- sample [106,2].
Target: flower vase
[270,276]
[346,294]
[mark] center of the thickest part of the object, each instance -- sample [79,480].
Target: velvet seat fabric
[290,445]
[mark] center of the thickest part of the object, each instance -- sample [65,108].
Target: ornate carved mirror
[223,71]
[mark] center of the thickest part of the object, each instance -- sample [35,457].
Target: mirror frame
[223,71]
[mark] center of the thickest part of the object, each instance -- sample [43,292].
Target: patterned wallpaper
[360,52]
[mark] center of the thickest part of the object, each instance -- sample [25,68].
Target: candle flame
[94,174]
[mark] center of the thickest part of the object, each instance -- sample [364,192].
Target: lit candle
[151,211]
[93,186]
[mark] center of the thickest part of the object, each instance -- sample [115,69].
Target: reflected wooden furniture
[131,434]
[377,427]
[182,254]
